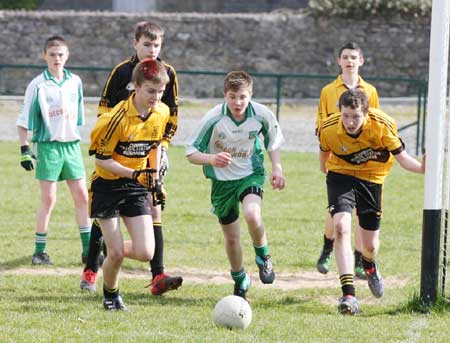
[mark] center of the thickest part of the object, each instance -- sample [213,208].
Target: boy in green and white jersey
[227,143]
[52,111]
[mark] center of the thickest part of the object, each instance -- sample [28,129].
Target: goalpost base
[431,234]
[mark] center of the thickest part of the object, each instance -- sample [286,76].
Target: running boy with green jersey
[350,59]
[126,142]
[357,149]
[53,110]
[227,143]
[147,43]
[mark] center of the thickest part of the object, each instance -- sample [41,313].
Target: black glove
[159,194]
[144,177]
[26,158]
[164,163]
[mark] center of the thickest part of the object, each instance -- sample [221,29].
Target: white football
[232,312]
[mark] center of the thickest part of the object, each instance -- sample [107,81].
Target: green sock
[85,235]
[261,251]
[40,241]
[239,276]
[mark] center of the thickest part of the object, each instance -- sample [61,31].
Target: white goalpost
[434,146]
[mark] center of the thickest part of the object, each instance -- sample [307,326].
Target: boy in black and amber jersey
[125,142]
[147,43]
[357,148]
[350,59]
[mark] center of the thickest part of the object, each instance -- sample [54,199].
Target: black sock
[157,263]
[328,243]
[347,285]
[94,248]
[367,264]
[110,293]
[358,256]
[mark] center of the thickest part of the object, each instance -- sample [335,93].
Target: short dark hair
[54,41]
[350,46]
[149,30]
[354,98]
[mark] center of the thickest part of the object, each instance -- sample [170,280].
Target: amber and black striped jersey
[118,87]
[329,98]
[369,156]
[123,136]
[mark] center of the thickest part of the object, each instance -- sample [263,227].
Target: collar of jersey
[249,112]
[49,76]
[340,82]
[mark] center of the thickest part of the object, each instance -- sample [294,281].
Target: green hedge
[364,8]
[19,4]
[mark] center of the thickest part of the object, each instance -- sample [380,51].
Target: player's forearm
[115,167]
[201,158]
[275,158]
[324,156]
[409,163]
[23,135]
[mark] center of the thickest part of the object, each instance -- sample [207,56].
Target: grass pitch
[46,305]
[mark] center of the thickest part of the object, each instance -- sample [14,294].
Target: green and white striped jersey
[53,110]
[219,132]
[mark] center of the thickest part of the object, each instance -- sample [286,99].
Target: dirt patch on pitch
[284,281]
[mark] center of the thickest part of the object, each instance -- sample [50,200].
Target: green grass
[50,308]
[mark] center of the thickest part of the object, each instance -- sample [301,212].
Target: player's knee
[116,256]
[341,230]
[144,255]
[253,218]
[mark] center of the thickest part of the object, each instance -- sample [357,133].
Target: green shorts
[58,161]
[225,195]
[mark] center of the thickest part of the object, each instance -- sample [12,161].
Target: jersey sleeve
[374,101]
[391,139]
[105,136]
[115,90]
[273,137]
[30,107]
[201,136]
[81,113]
[321,111]
[170,98]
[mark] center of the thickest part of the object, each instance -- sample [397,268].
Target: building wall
[263,43]
[213,6]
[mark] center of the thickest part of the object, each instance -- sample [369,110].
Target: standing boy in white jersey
[53,110]
[227,143]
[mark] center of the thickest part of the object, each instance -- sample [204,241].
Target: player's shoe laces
[163,283]
[323,263]
[241,289]
[88,281]
[266,273]
[359,269]
[114,304]
[375,281]
[348,305]
[41,258]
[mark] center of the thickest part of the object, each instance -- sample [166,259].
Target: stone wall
[278,43]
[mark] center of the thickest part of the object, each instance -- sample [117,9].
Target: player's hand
[159,195]
[277,180]
[164,164]
[26,158]
[144,177]
[220,160]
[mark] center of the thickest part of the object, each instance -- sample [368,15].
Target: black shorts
[347,192]
[116,198]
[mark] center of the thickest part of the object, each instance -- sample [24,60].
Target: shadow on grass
[15,263]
